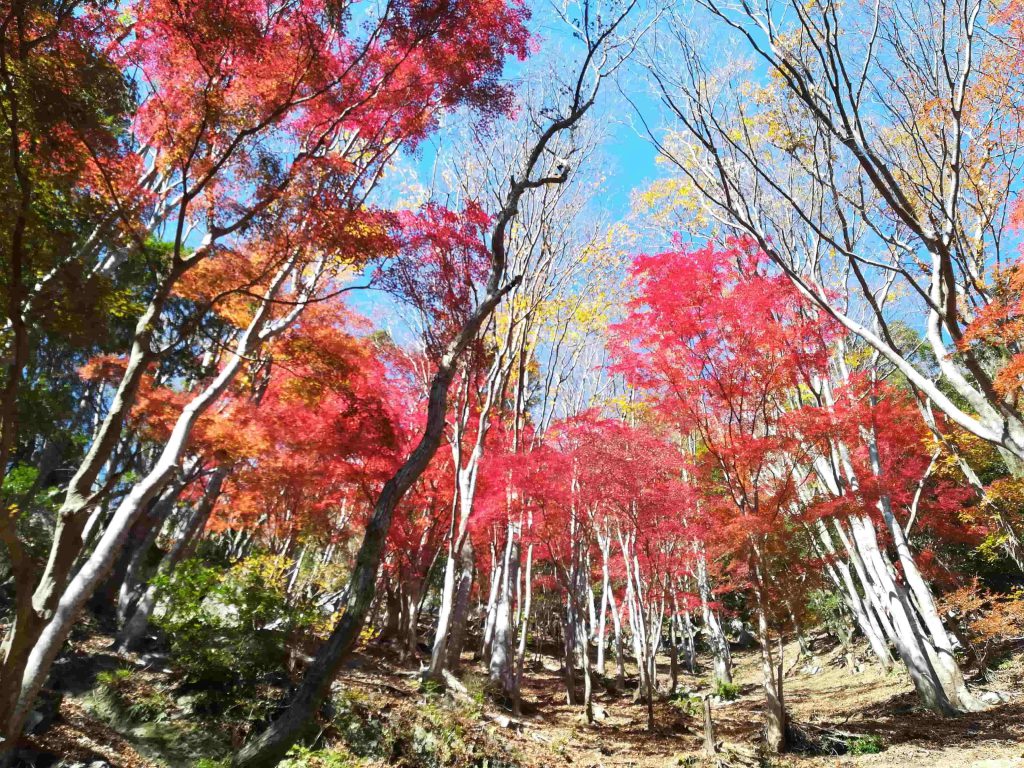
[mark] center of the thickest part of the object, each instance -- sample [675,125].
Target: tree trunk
[620,659]
[492,604]
[801,640]
[392,615]
[709,729]
[691,643]
[460,613]
[524,628]
[138,621]
[500,669]
[80,588]
[906,635]
[601,621]
[569,647]
[874,606]
[439,652]
[716,635]
[591,606]
[410,617]
[673,656]
[862,614]
[775,714]
[142,537]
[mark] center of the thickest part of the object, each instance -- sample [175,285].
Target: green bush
[111,695]
[689,704]
[431,734]
[726,691]
[437,739]
[360,727]
[118,697]
[149,706]
[866,745]
[228,630]
[303,757]
[828,608]
[115,680]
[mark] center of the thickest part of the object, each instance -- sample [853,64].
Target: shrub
[437,739]
[360,727]
[689,704]
[726,691]
[432,734]
[984,622]
[228,630]
[110,698]
[828,608]
[866,745]
[115,680]
[303,757]
[149,706]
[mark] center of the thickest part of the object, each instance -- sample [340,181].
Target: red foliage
[441,257]
[722,347]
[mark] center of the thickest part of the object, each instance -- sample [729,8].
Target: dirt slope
[820,694]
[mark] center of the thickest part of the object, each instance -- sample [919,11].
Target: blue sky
[627,159]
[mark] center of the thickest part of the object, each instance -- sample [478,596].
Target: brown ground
[866,703]
[555,734]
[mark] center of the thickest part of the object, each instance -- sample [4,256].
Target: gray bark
[138,621]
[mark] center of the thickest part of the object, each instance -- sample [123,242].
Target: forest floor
[821,694]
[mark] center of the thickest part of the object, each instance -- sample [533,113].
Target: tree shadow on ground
[901,721]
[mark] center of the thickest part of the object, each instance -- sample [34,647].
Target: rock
[158,662]
[35,757]
[992,697]
[504,721]
[187,702]
[551,665]
[46,710]
[600,713]
[744,639]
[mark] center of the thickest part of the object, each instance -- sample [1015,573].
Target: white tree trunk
[500,664]
[906,635]
[602,617]
[862,614]
[716,635]
[524,628]
[492,603]
[81,587]
[771,678]
[620,661]
[439,652]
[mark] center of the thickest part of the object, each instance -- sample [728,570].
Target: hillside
[823,698]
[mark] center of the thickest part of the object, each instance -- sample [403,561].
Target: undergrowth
[725,690]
